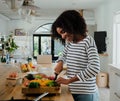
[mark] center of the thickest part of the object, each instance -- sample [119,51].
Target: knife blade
[41,96]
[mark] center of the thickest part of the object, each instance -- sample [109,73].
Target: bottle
[3,59]
[29,59]
[7,58]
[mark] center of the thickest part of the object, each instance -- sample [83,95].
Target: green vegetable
[52,84]
[34,85]
[38,77]
[30,77]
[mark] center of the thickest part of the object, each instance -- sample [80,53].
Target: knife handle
[55,76]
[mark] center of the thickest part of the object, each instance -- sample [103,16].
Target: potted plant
[9,45]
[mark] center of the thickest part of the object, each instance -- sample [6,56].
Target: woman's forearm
[59,67]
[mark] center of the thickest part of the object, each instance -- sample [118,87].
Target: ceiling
[51,8]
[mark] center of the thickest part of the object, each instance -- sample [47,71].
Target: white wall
[104,18]
[3,25]
[91,29]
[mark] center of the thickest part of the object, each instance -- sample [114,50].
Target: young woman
[80,55]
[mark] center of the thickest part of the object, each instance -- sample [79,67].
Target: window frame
[52,45]
[116,48]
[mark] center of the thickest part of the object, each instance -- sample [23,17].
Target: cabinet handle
[117,95]
[117,74]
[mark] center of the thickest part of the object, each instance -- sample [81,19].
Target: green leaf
[10,44]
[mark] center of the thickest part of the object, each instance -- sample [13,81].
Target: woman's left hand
[61,80]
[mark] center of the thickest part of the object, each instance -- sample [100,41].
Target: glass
[45,28]
[117,43]
[116,39]
[58,48]
[36,46]
[46,45]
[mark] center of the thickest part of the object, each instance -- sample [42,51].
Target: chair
[44,59]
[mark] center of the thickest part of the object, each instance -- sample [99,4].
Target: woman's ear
[60,30]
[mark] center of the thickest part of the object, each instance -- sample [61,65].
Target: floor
[104,94]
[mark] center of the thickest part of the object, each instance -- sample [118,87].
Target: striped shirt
[83,61]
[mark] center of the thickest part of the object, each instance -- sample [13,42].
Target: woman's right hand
[59,67]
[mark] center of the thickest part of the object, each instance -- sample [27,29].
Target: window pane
[45,45]
[58,48]
[36,46]
[118,44]
[116,39]
[45,28]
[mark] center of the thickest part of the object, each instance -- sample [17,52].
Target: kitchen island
[10,91]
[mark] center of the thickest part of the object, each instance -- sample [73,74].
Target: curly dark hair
[71,22]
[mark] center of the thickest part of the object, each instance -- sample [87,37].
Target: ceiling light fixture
[28,9]
[24,12]
[14,4]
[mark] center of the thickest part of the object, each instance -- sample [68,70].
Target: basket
[102,79]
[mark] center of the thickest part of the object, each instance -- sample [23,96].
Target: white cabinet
[114,83]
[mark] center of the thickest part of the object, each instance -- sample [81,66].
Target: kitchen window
[43,43]
[116,39]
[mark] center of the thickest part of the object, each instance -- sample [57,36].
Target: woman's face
[68,37]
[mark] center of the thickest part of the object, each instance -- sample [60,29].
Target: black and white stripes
[82,60]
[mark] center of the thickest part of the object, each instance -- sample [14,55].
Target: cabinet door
[114,85]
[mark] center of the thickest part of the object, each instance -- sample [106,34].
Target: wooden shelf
[104,54]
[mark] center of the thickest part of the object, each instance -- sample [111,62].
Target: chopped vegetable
[30,77]
[34,85]
[38,77]
[52,84]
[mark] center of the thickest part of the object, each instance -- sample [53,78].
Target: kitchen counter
[7,92]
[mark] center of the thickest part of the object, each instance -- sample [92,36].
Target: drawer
[116,96]
[115,80]
[114,83]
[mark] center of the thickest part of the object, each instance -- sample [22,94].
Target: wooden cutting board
[50,90]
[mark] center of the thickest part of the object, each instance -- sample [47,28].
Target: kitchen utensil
[41,96]
[36,99]
[55,76]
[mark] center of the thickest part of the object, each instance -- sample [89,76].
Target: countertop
[7,92]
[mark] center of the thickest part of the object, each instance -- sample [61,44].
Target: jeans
[86,97]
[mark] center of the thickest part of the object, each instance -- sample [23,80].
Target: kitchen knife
[41,96]
[55,76]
